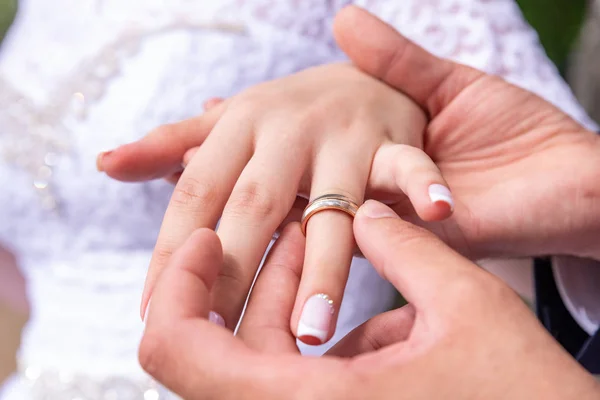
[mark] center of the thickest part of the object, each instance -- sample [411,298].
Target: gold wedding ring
[335,202]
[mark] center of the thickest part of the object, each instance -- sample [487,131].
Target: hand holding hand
[524,174]
[464,335]
[326,130]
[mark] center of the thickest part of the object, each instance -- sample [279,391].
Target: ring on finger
[335,202]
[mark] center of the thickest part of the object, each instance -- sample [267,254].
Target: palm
[497,161]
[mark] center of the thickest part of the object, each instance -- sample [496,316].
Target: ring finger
[329,247]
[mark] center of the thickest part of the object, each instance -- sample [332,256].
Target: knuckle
[191,192]
[233,279]
[409,235]
[477,289]
[161,255]
[254,200]
[404,151]
[249,100]
[325,112]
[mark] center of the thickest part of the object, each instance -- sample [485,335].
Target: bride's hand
[327,130]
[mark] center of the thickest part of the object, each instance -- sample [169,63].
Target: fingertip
[100,160]
[212,103]
[123,163]
[343,17]
[208,241]
[187,157]
[216,319]
[315,325]
[373,209]
[344,22]
[437,205]
[441,195]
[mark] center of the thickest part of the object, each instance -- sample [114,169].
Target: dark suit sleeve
[558,320]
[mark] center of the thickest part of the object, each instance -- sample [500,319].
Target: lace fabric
[88,75]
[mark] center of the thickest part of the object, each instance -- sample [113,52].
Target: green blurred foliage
[557,22]
[8,9]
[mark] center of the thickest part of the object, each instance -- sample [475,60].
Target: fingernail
[441,193]
[147,310]
[315,321]
[216,318]
[100,159]
[374,209]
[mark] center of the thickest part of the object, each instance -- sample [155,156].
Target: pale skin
[525,178]
[301,135]
[510,163]
[465,334]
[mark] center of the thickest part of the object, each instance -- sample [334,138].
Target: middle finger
[260,201]
[201,192]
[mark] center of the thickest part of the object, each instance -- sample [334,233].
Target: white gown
[81,76]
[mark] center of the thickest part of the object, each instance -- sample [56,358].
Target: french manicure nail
[146,312]
[374,209]
[441,193]
[315,321]
[100,159]
[216,318]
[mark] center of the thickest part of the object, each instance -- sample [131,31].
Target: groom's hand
[524,174]
[464,335]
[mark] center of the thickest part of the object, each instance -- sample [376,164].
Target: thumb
[415,261]
[380,331]
[379,50]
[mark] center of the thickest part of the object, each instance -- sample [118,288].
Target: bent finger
[399,168]
[414,260]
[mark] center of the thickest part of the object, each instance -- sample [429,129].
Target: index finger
[415,261]
[160,153]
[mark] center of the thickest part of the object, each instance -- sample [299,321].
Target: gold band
[335,202]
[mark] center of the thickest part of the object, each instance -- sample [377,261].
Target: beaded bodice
[81,76]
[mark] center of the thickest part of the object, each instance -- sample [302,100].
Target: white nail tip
[441,193]
[305,330]
[317,317]
[146,312]
[216,318]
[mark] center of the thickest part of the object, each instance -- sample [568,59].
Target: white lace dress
[81,76]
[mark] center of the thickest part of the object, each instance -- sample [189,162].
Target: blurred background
[568,29]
